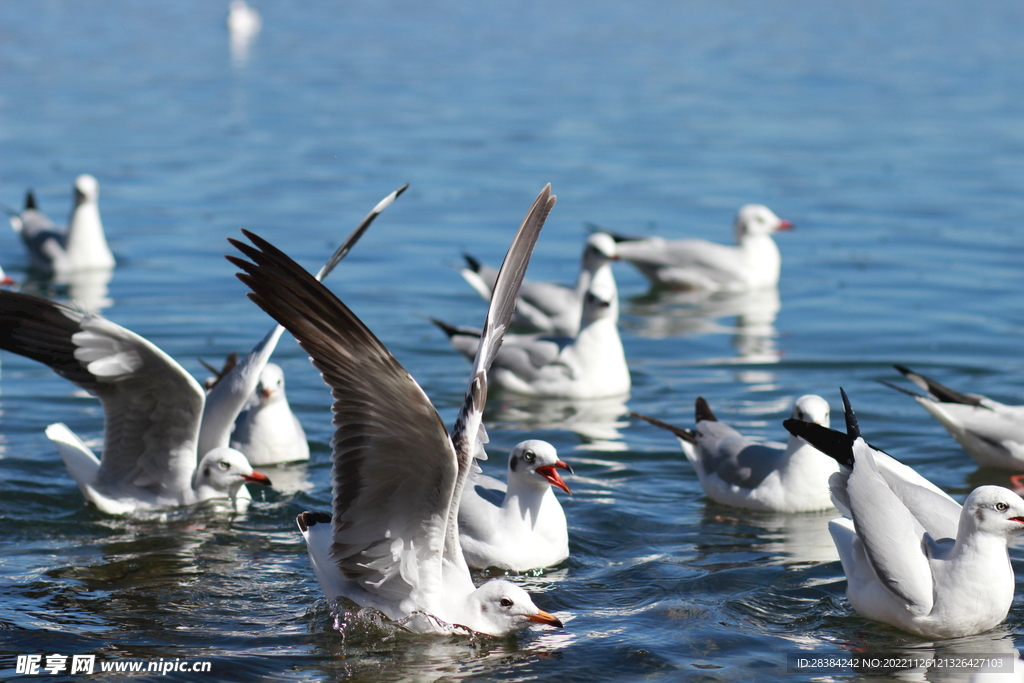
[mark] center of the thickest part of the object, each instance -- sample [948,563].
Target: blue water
[891,134]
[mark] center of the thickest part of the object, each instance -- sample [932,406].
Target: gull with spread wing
[913,557]
[391,541]
[234,389]
[151,409]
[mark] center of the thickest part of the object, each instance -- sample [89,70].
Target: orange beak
[543,617]
[257,478]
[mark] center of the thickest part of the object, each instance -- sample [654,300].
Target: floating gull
[752,263]
[736,470]
[992,433]
[151,409]
[913,557]
[545,306]
[590,365]
[521,525]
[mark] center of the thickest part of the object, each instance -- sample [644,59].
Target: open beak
[257,478]
[550,473]
[543,617]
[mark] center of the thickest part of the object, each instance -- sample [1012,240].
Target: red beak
[786,225]
[551,474]
[257,478]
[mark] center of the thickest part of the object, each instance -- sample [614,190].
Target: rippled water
[892,135]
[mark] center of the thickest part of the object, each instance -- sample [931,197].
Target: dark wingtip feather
[832,443]
[473,264]
[852,429]
[305,520]
[702,411]
[30,200]
[685,434]
[450,330]
[904,390]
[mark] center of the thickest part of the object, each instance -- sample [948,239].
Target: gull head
[536,463]
[222,472]
[500,608]
[87,189]
[599,250]
[812,408]
[758,219]
[271,383]
[994,510]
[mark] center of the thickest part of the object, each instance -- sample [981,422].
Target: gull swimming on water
[268,431]
[590,365]
[752,263]
[151,408]
[548,307]
[81,246]
[991,432]
[736,470]
[392,539]
[913,557]
[518,525]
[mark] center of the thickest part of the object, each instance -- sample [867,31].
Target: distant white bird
[54,250]
[545,306]
[521,525]
[736,470]
[392,541]
[244,23]
[590,365]
[753,263]
[913,558]
[151,410]
[992,433]
[268,432]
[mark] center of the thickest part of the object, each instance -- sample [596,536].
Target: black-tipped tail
[702,411]
[685,434]
[939,391]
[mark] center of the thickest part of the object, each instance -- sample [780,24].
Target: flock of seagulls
[412,513]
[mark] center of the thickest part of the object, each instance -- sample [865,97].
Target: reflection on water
[86,290]
[663,313]
[784,539]
[595,421]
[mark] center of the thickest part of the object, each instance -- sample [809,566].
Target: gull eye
[529,456]
[505,602]
[224,465]
[1002,507]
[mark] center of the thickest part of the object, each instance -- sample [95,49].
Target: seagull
[268,433]
[547,307]
[392,542]
[521,526]
[590,365]
[54,250]
[233,390]
[243,23]
[913,557]
[735,470]
[992,433]
[753,263]
[151,408]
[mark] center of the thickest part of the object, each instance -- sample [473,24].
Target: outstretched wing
[394,468]
[151,406]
